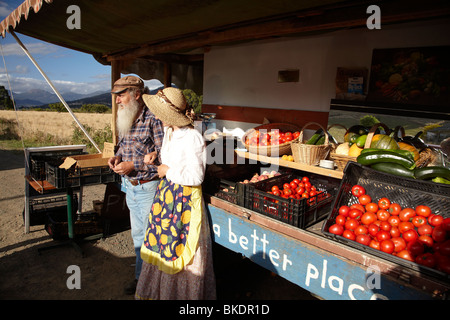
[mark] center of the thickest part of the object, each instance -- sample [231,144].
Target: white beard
[126,117]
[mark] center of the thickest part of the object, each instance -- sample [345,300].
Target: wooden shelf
[289,164]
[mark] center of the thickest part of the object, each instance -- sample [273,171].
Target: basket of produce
[273,139]
[334,142]
[424,155]
[403,220]
[356,139]
[314,149]
[292,198]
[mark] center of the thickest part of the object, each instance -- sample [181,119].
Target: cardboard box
[89,160]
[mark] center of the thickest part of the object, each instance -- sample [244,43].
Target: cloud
[13,49]
[5,9]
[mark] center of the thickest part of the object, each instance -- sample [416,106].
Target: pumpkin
[406,146]
[383,141]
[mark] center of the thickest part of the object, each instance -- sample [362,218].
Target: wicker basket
[307,153]
[341,160]
[272,150]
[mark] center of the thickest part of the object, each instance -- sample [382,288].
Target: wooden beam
[298,23]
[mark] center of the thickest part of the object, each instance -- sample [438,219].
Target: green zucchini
[370,158]
[315,137]
[432,172]
[441,180]
[406,153]
[321,140]
[361,141]
[393,168]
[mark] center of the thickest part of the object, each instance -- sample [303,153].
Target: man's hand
[150,158]
[124,168]
[113,161]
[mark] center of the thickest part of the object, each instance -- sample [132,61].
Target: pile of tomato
[415,234]
[273,137]
[299,188]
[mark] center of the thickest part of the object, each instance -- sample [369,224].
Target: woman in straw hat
[177,246]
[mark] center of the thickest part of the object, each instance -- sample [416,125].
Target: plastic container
[404,191]
[300,213]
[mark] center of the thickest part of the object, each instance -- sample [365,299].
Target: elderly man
[140,133]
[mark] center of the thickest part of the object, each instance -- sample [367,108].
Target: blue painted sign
[316,270]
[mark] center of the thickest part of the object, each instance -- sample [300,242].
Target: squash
[354,150]
[383,141]
[409,147]
[342,149]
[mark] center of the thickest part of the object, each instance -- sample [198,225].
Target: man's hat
[127,82]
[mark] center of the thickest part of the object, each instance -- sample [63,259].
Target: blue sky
[68,70]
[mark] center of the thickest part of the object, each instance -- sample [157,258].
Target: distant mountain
[39,97]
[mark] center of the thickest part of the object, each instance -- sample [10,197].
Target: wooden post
[115,75]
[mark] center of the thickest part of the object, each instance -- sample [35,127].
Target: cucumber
[361,141]
[432,172]
[393,168]
[370,158]
[315,137]
[321,140]
[406,153]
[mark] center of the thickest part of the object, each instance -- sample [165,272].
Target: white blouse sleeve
[188,159]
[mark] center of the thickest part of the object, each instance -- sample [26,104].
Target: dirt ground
[107,264]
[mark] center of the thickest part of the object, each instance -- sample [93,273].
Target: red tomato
[415,248]
[426,240]
[394,221]
[423,210]
[307,185]
[363,239]
[443,262]
[386,226]
[383,235]
[293,185]
[418,221]
[276,193]
[364,199]
[343,210]
[373,229]
[410,235]
[340,219]
[446,224]
[275,188]
[305,195]
[374,244]
[296,134]
[395,232]
[355,214]
[288,138]
[296,181]
[368,218]
[287,192]
[351,224]
[426,259]
[286,186]
[372,207]
[394,209]
[435,220]
[300,190]
[358,190]
[425,229]
[305,179]
[358,206]
[405,254]
[439,234]
[384,203]
[383,215]
[387,246]
[348,234]
[405,226]
[399,243]
[361,230]
[407,214]
[444,248]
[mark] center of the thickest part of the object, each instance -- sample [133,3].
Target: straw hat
[170,106]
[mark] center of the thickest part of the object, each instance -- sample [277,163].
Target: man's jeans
[139,202]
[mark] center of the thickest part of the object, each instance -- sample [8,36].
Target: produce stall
[288,235]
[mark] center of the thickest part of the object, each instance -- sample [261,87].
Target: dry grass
[58,125]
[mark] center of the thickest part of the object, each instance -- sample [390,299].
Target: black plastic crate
[84,225]
[225,181]
[404,191]
[300,213]
[41,207]
[76,177]
[38,160]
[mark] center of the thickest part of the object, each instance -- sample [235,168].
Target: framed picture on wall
[416,76]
